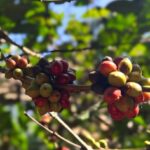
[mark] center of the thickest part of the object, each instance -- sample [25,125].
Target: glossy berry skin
[106,67]
[125,66]
[40,101]
[63,79]
[125,104]
[133,89]
[146,96]
[16,58]
[45,89]
[117,60]
[17,73]
[139,99]
[117,79]
[72,76]
[54,96]
[22,62]
[133,112]
[56,68]
[115,113]
[112,95]
[64,100]
[65,65]
[10,63]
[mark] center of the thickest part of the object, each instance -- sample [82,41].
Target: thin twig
[3,35]
[84,145]
[52,132]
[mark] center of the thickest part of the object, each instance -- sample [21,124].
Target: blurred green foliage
[120,29]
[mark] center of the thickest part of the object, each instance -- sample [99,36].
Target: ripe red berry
[40,101]
[65,65]
[125,103]
[63,79]
[22,62]
[140,98]
[115,113]
[64,100]
[56,68]
[10,63]
[146,96]
[117,60]
[112,95]
[107,67]
[133,112]
[72,76]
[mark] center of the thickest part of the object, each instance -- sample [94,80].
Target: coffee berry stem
[146,88]
[75,88]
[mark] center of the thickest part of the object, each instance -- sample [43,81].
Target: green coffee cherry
[133,89]
[125,66]
[117,79]
[135,77]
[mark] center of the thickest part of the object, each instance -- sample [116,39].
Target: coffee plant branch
[84,145]
[3,35]
[52,132]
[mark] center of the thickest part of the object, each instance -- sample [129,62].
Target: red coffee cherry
[64,100]
[125,104]
[117,60]
[65,65]
[40,101]
[146,96]
[139,99]
[10,63]
[116,114]
[133,112]
[22,62]
[56,68]
[112,95]
[107,67]
[63,79]
[72,76]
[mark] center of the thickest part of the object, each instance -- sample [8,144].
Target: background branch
[3,35]
[84,145]
[52,132]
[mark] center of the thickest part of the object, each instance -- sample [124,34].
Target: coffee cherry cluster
[46,88]
[121,84]
[43,82]
[16,65]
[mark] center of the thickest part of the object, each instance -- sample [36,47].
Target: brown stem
[76,88]
[146,88]
[84,145]
[3,35]
[52,132]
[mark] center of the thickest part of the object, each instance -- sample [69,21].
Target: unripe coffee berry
[135,77]
[45,90]
[18,73]
[117,79]
[125,66]
[133,89]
